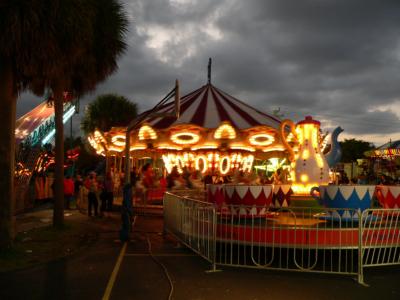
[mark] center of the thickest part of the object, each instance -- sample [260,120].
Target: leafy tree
[107,111]
[354,149]
[64,45]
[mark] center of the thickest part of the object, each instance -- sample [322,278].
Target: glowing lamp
[147,133]
[304,178]
[118,140]
[261,139]
[185,138]
[225,131]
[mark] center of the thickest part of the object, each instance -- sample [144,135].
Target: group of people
[102,189]
[365,178]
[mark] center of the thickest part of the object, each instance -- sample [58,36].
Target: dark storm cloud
[338,60]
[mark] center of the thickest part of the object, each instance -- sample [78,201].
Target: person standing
[109,191]
[92,186]
[68,191]
[77,190]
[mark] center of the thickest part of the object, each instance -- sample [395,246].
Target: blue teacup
[348,199]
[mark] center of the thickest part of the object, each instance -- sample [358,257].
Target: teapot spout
[335,154]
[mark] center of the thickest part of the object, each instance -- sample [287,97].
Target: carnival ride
[33,131]
[215,133]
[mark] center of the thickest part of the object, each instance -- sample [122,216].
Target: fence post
[360,269]
[214,241]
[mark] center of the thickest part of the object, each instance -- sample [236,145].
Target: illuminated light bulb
[225,131]
[261,139]
[168,147]
[248,163]
[147,133]
[304,178]
[320,161]
[306,154]
[167,162]
[137,147]
[213,146]
[202,158]
[245,148]
[185,138]
[116,149]
[223,170]
[118,140]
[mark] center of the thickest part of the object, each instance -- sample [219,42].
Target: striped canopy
[207,107]
[387,150]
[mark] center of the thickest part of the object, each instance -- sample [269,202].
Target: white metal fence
[295,239]
[193,223]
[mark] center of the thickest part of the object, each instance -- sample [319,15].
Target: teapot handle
[289,123]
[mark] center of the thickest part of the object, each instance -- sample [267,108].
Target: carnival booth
[386,160]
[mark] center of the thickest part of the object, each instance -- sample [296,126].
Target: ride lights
[225,131]
[242,147]
[185,138]
[261,139]
[222,163]
[207,146]
[147,133]
[169,147]
[118,140]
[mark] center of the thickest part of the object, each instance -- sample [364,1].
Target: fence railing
[342,241]
[193,223]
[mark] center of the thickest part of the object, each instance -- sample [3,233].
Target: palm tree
[53,44]
[96,60]
[107,111]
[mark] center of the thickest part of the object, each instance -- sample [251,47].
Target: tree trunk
[8,103]
[58,214]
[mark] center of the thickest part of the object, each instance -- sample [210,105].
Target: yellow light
[290,137]
[167,159]
[223,170]
[213,146]
[169,147]
[97,141]
[133,148]
[308,128]
[242,147]
[185,138]
[303,189]
[116,149]
[299,134]
[197,163]
[248,163]
[304,178]
[306,154]
[225,131]
[118,140]
[320,161]
[276,148]
[147,133]
[261,139]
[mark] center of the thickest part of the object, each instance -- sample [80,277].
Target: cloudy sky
[338,60]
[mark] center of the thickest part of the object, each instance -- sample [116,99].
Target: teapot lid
[309,120]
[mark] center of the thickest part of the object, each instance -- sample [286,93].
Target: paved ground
[86,275]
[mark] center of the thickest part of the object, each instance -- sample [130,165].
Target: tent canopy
[208,107]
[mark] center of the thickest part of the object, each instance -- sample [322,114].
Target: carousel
[207,130]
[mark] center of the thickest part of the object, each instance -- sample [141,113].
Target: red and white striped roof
[208,106]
